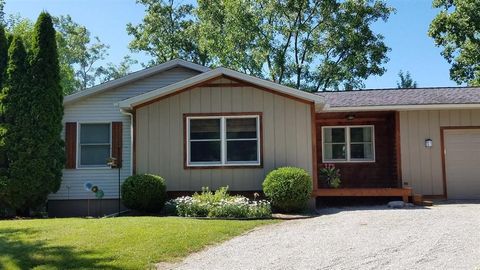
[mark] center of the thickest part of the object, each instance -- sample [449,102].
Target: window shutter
[117,142]
[71,145]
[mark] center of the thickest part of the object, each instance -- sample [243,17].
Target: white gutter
[131,138]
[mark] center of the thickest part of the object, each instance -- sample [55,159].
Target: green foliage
[288,188]
[79,53]
[14,96]
[220,204]
[3,55]
[311,45]
[22,27]
[168,31]
[406,80]
[2,12]
[33,109]
[78,49]
[145,192]
[113,71]
[456,29]
[331,175]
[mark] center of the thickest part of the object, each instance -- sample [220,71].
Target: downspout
[123,111]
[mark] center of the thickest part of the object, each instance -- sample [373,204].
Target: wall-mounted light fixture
[350,117]
[428,143]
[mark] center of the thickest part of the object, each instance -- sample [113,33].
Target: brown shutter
[117,142]
[71,145]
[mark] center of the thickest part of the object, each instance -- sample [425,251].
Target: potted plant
[331,175]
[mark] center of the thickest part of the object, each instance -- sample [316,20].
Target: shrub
[331,175]
[220,205]
[145,192]
[288,188]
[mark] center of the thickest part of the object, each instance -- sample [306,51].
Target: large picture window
[94,144]
[348,144]
[223,140]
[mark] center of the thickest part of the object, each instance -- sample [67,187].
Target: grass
[113,243]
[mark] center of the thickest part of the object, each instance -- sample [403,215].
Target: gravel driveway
[445,236]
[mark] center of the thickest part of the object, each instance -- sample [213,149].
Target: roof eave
[401,107]
[130,103]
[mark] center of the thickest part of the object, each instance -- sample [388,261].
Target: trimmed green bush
[144,192]
[288,188]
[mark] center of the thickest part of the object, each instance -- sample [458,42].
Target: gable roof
[133,77]
[409,98]
[132,102]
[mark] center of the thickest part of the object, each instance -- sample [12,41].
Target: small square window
[94,144]
[354,143]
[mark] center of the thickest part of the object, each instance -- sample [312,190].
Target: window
[94,144]
[223,140]
[351,143]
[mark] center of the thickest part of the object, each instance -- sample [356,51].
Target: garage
[462,163]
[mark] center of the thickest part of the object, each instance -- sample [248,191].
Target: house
[198,127]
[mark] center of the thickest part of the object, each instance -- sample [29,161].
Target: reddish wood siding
[379,174]
[117,142]
[71,145]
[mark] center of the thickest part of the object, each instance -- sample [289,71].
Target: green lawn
[113,243]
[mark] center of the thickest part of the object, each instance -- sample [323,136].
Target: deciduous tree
[112,71]
[79,51]
[168,31]
[456,29]
[308,44]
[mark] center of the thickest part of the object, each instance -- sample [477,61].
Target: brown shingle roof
[392,97]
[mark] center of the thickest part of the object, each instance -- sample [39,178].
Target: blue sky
[405,33]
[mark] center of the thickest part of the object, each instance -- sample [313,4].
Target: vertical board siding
[285,142]
[102,108]
[422,167]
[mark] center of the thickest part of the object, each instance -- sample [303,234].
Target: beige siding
[422,167]
[286,136]
[101,108]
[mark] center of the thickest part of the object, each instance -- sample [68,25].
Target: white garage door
[462,163]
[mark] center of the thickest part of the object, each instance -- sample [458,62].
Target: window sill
[94,168]
[223,166]
[347,161]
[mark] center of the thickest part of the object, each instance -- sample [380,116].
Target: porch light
[428,143]
[350,117]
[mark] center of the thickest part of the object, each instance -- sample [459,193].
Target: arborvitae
[3,69]
[15,98]
[38,156]
[3,56]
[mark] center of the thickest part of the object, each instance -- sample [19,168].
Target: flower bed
[219,205]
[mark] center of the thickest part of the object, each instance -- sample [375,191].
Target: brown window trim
[185,154]
[348,160]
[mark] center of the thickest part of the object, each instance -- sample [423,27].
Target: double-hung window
[348,144]
[223,140]
[94,144]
